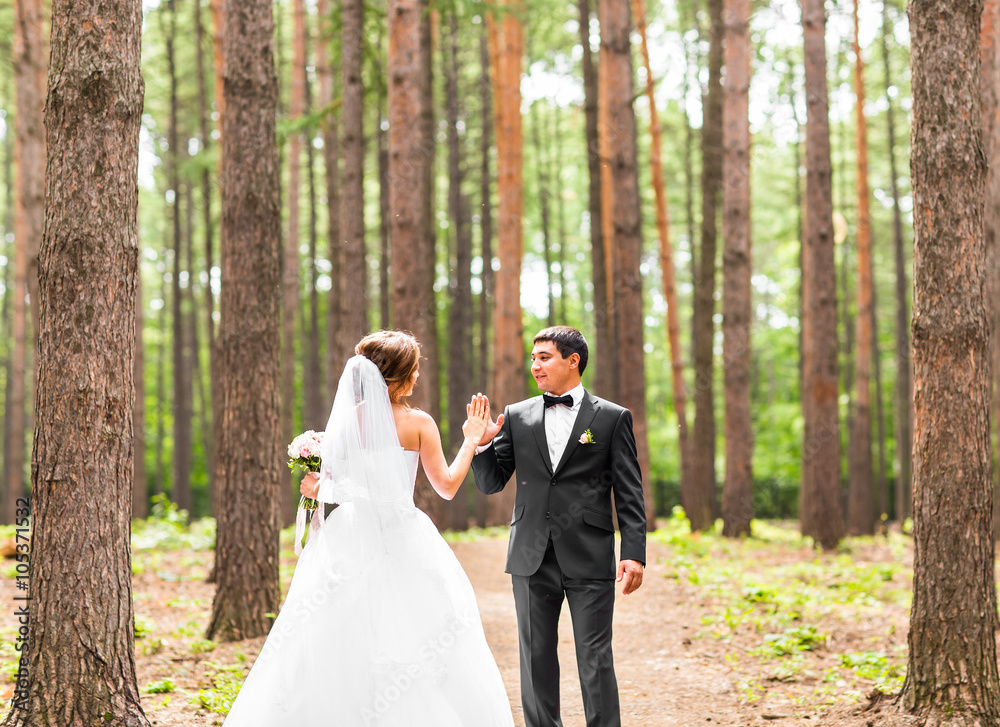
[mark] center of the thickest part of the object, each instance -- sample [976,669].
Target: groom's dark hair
[568,341]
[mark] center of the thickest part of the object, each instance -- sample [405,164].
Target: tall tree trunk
[486,238]
[411,157]
[140,500]
[334,362]
[508,327]
[8,288]
[862,504]
[79,658]
[218,66]
[354,270]
[560,212]
[192,347]
[904,390]
[206,211]
[616,49]
[460,369]
[820,508]
[182,383]
[382,141]
[700,502]
[881,485]
[990,77]
[248,449]
[952,670]
[604,358]
[667,268]
[542,179]
[737,494]
[290,329]
[161,393]
[316,412]
[29,56]
[605,121]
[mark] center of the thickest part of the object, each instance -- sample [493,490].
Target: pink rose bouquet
[304,454]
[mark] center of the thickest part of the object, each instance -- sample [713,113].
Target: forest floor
[764,630]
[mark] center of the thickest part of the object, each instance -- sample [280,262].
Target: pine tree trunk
[508,328]
[354,270]
[560,211]
[700,502]
[207,222]
[8,288]
[904,390]
[334,361]
[486,239]
[140,500]
[29,56]
[737,494]
[821,513]
[606,120]
[667,268]
[182,385]
[411,158]
[952,671]
[616,49]
[604,358]
[315,413]
[861,496]
[541,178]
[248,458]
[382,140]
[990,77]
[161,395]
[79,656]
[460,368]
[290,329]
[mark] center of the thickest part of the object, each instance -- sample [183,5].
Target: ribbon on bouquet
[315,523]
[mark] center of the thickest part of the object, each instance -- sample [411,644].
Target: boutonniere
[587,438]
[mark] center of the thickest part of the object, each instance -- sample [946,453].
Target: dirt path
[662,679]
[661,682]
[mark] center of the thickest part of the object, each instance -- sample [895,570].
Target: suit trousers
[538,600]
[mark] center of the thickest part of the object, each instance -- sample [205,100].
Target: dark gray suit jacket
[568,501]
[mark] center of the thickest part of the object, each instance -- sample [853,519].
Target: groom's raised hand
[492,427]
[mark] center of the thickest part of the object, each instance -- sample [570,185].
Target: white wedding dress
[380,626]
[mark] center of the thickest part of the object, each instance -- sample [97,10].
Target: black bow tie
[566,401]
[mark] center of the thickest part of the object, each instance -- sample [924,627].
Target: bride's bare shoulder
[410,422]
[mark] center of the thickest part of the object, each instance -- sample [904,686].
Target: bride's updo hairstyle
[397,355]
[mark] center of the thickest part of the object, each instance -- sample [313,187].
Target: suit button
[547,516]
[553,481]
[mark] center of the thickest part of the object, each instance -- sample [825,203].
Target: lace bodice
[413,457]
[383,480]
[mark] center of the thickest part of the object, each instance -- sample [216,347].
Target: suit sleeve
[493,466]
[627,486]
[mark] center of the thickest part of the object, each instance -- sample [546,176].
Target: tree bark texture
[667,268]
[80,655]
[460,368]
[249,449]
[988,67]
[354,271]
[507,40]
[861,507]
[700,502]
[737,493]
[616,26]
[952,670]
[604,349]
[485,237]
[820,510]
[29,56]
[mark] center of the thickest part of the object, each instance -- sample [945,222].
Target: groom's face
[553,373]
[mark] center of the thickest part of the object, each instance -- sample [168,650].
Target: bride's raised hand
[478,419]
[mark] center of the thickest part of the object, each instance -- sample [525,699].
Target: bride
[380,625]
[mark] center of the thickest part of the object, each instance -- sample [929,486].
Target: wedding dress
[380,625]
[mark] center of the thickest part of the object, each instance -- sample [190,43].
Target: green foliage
[167,528]
[473,535]
[226,683]
[143,626]
[887,674]
[164,686]
[790,641]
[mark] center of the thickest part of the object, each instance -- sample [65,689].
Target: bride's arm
[445,478]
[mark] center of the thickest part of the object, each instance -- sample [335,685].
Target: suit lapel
[537,424]
[588,410]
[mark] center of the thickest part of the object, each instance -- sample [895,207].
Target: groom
[571,451]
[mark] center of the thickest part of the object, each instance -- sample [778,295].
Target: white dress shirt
[559,421]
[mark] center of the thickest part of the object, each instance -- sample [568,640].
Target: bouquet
[304,453]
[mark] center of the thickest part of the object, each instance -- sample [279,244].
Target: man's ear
[574,360]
